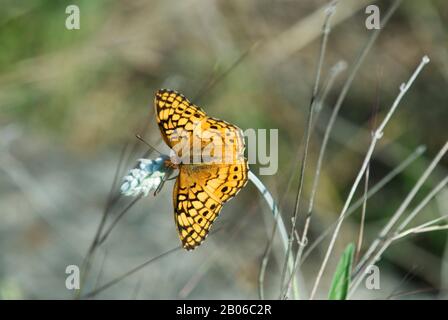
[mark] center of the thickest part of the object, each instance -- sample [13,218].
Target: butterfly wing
[180,122]
[201,188]
[221,142]
[176,116]
[199,194]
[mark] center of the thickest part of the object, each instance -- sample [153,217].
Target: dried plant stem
[278,222]
[337,107]
[363,214]
[214,80]
[325,33]
[100,272]
[357,280]
[329,128]
[377,187]
[107,232]
[423,203]
[396,216]
[386,239]
[334,72]
[132,271]
[375,138]
[111,200]
[136,269]
[426,227]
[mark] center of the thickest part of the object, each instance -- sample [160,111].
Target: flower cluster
[146,177]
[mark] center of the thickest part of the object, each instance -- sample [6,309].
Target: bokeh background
[70,100]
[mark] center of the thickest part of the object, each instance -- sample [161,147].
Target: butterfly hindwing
[194,209]
[199,194]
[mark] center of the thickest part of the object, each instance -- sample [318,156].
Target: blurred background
[70,100]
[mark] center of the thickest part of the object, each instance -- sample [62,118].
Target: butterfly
[209,154]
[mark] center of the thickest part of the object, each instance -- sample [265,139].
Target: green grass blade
[341,278]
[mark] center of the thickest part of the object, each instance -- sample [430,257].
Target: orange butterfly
[209,154]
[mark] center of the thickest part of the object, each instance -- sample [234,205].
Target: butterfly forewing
[176,115]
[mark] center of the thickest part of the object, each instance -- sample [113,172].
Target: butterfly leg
[165,179]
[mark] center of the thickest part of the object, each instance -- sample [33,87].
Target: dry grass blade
[396,216]
[278,223]
[376,188]
[325,32]
[363,214]
[376,137]
[337,107]
[384,238]
[128,273]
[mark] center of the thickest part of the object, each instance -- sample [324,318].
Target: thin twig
[370,258]
[110,199]
[373,119]
[419,230]
[376,137]
[329,127]
[396,216]
[429,223]
[335,70]
[116,220]
[412,292]
[425,227]
[376,188]
[215,80]
[407,277]
[278,222]
[337,107]
[100,272]
[138,268]
[363,214]
[325,33]
[423,203]
[128,273]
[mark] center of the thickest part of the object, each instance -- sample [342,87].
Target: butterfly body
[209,154]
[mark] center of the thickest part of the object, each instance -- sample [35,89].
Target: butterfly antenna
[139,137]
